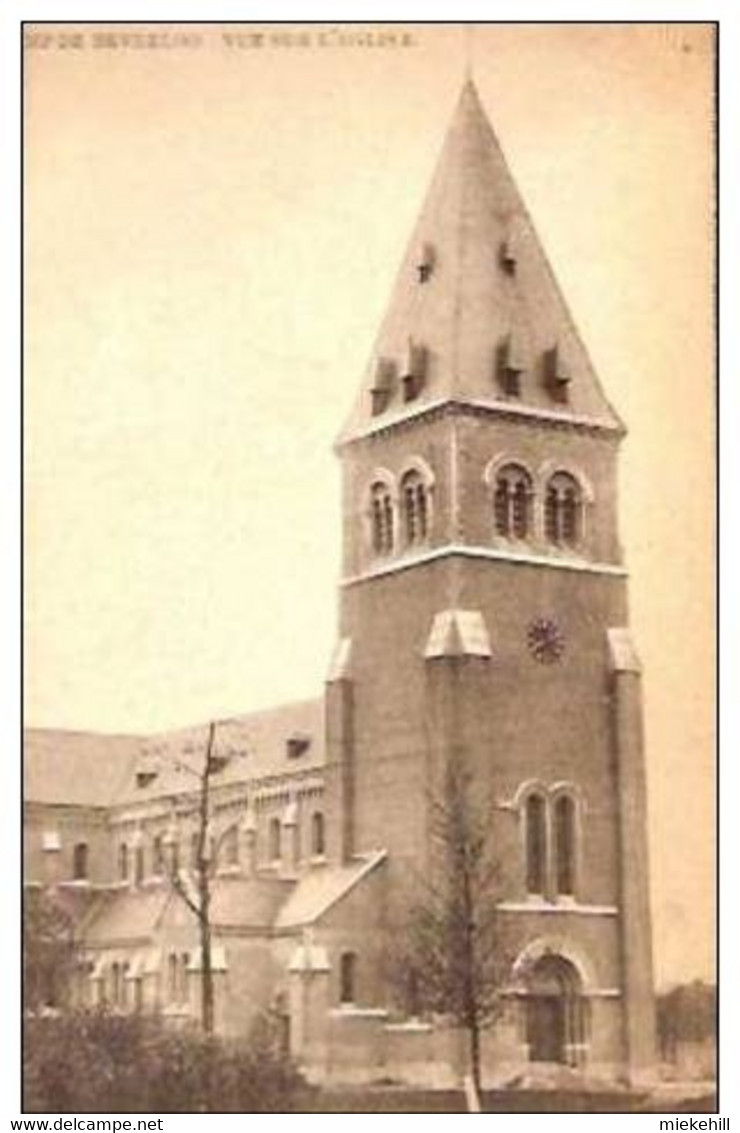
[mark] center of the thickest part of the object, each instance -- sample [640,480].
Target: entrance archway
[556,1012]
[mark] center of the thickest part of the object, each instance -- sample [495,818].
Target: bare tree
[48,952]
[454,959]
[199,902]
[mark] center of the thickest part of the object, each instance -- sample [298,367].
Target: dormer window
[425,263]
[507,257]
[557,374]
[297,745]
[382,387]
[414,371]
[510,366]
[145,776]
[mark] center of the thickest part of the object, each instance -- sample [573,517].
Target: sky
[212,231]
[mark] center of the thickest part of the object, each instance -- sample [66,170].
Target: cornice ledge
[475,552]
[559,418]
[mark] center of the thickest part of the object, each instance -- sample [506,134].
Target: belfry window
[381,514]
[565,845]
[415,508]
[536,844]
[512,501]
[563,510]
[123,864]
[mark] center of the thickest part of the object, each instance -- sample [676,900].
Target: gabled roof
[489,297]
[75,768]
[125,915]
[92,769]
[247,902]
[256,744]
[320,889]
[134,914]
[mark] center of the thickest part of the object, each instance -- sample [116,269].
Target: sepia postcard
[369,611]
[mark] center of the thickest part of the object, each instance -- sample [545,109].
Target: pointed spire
[473,277]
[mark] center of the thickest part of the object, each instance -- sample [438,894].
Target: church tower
[483,606]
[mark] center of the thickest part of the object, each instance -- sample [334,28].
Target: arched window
[125,969]
[177,977]
[273,839]
[157,856]
[536,844]
[381,508]
[512,502]
[347,977]
[139,863]
[183,989]
[318,834]
[174,847]
[116,983]
[415,508]
[172,977]
[80,861]
[565,845]
[563,509]
[230,847]
[123,862]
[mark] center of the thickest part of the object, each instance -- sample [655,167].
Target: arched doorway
[556,1018]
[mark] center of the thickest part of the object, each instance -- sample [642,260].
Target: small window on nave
[80,861]
[139,864]
[158,856]
[347,977]
[273,840]
[318,834]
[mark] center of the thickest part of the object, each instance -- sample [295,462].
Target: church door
[546,1028]
[555,1016]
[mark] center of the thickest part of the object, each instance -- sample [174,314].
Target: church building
[482,611]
